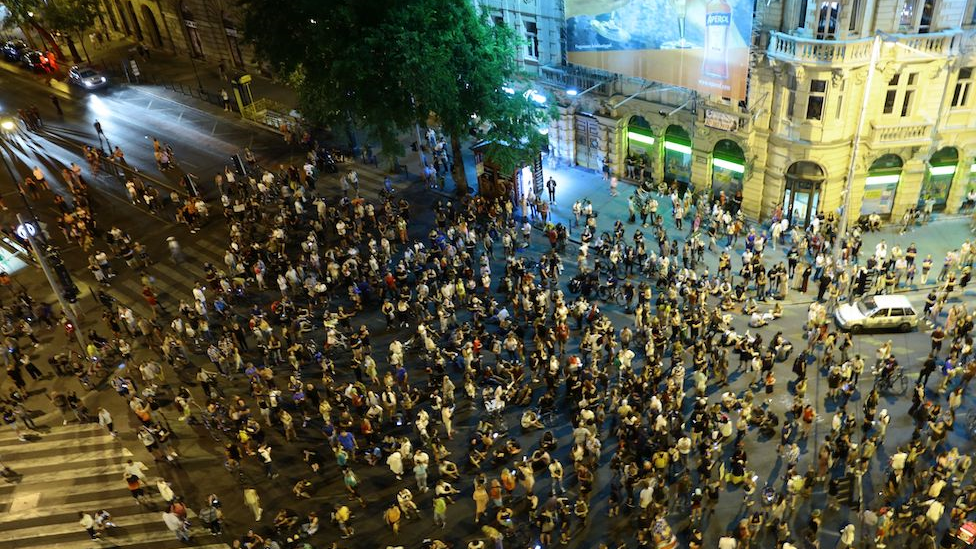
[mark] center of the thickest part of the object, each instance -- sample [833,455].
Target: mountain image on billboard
[697,44]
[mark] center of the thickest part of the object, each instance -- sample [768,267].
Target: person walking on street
[253,501]
[165,491]
[226,99]
[551,187]
[210,517]
[175,252]
[88,523]
[105,420]
[264,451]
[57,104]
[176,525]
[342,515]
[100,133]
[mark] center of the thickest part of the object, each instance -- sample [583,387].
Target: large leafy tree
[27,14]
[71,17]
[386,65]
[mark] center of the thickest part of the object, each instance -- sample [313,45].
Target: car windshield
[866,306]
[88,73]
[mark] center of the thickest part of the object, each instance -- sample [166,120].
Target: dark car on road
[13,50]
[36,61]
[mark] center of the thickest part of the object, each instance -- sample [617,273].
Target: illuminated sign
[677,147]
[882,179]
[640,138]
[731,166]
[697,44]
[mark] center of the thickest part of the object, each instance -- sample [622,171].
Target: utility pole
[855,145]
[57,277]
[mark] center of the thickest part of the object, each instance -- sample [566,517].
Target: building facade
[203,29]
[868,97]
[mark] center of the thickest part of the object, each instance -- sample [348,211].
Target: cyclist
[885,373]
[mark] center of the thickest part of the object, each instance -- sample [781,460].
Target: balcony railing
[926,46]
[811,51]
[565,78]
[797,49]
[902,134]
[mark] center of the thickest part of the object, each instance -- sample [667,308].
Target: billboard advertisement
[697,44]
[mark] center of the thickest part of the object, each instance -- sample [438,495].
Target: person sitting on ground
[530,420]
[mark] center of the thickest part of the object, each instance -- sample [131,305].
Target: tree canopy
[388,64]
[68,16]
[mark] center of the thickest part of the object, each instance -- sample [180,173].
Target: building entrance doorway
[588,152]
[801,197]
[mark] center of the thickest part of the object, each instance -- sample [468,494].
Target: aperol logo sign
[697,44]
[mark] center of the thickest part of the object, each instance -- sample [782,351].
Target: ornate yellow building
[870,96]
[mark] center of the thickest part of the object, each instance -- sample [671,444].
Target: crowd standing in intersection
[638,389]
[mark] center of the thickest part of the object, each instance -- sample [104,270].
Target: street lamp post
[31,231]
[41,253]
[855,145]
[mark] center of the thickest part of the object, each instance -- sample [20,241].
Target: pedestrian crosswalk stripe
[214,248]
[75,491]
[174,276]
[113,470]
[70,510]
[115,540]
[78,468]
[57,433]
[91,443]
[104,455]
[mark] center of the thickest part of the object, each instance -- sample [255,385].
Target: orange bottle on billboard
[718,25]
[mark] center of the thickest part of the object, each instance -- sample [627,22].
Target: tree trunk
[27,35]
[81,38]
[73,49]
[351,135]
[460,177]
[49,38]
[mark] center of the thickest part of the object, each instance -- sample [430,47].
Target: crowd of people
[626,391]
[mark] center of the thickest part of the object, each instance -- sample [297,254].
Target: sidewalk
[943,234]
[179,72]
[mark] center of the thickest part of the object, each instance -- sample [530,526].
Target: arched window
[233,46]
[192,34]
[677,157]
[938,179]
[728,170]
[881,185]
[801,197]
[640,148]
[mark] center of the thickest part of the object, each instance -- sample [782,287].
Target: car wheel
[905,327]
[857,329]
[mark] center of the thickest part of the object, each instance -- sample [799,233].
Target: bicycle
[611,294]
[895,383]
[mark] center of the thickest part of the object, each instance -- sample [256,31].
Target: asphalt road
[203,141]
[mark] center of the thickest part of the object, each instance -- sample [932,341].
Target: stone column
[960,180]
[909,186]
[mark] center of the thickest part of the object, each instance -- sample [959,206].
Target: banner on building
[697,44]
[721,120]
